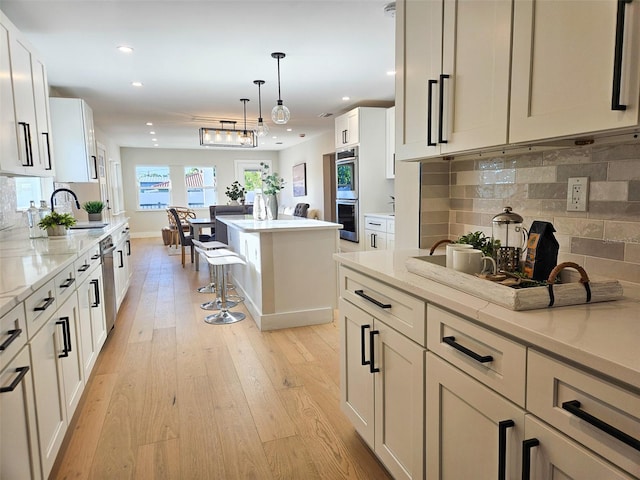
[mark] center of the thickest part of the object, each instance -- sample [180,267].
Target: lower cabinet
[382,390]
[472,432]
[379,233]
[92,328]
[18,434]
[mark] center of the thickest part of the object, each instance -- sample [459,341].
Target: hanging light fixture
[262,130]
[280,114]
[228,137]
[246,138]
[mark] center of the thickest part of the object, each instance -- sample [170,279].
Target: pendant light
[280,114]
[262,130]
[245,139]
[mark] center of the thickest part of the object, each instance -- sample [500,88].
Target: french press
[508,230]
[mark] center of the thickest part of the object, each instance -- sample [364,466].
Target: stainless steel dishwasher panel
[108,279]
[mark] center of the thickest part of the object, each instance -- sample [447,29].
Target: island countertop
[247,223]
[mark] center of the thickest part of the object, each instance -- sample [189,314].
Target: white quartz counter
[601,336]
[247,223]
[26,264]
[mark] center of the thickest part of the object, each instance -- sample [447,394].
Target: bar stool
[214,278]
[224,316]
[200,247]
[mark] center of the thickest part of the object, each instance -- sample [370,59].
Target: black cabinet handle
[502,447]
[65,337]
[47,304]
[22,371]
[372,367]
[573,406]
[121,259]
[441,109]
[48,144]
[95,166]
[128,248]
[361,293]
[430,143]
[527,445]
[96,290]
[68,282]
[451,341]
[362,347]
[95,256]
[26,129]
[84,268]
[13,334]
[617,57]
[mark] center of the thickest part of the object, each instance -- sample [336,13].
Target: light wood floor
[174,398]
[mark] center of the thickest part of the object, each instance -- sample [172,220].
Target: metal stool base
[216,305]
[207,289]
[224,318]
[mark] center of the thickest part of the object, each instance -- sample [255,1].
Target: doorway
[329,186]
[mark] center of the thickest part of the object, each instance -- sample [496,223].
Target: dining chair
[301,210]
[185,240]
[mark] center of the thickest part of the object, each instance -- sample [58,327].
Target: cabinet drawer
[13,334]
[400,311]
[87,262]
[39,307]
[492,359]
[374,223]
[554,387]
[66,283]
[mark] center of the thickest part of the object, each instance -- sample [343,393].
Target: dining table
[195,229]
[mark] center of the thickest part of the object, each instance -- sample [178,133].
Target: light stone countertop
[27,264]
[247,223]
[604,337]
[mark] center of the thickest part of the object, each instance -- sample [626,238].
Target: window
[32,188]
[249,174]
[154,187]
[200,184]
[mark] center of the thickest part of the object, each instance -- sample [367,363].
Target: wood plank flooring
[174,398]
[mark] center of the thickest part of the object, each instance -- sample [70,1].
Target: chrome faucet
[64,190]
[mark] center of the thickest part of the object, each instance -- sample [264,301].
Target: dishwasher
[108,280]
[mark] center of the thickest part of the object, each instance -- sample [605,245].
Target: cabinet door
[476,58]
[418,66]
[347,129]
[18,435]
[562,70]
[390,166]
[98,320]
[69,356]
[50,403]
[356,380]
[42,141]
[464,422]
[10,160]
[399,401]
[556,456]
[375,240]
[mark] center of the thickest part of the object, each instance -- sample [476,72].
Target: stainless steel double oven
[347,193]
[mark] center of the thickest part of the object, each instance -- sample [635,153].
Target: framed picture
[299,180]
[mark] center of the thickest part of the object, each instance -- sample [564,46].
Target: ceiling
[197,59]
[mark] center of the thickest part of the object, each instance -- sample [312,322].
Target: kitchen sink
[88,225]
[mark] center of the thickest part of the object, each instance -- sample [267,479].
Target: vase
[95,217]
[259,206]
[234,202]
[57,231]
[272,207]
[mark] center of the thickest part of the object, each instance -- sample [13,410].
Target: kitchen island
[290,277]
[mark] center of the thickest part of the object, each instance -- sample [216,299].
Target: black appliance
[347,213]
[347,174]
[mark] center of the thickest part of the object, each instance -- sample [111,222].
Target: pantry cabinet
[565,72]
[452,80]
[347,129]
[75,145]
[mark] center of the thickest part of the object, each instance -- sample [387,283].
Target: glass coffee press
[506,227]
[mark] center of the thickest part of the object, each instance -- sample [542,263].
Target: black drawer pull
[372,367]
[451,341]
[361,293]
[68,282]
[96,291]
[84,268]
[362,347]
[527,445]
[502,447]
[47,304]
[95,256]
[13,334]
[573,406]
[22,371]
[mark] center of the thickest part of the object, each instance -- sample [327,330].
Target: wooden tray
[531,298]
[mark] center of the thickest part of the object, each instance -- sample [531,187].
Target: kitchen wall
[463,195]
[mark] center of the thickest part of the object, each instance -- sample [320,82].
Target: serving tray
[566,293]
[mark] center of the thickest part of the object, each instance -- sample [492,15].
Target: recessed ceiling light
[346,98]
[136,84]
[274,137]
[289,129]
[155,144]
[391,72]
[152,133]
[154,139]
[125,48]
[149,124]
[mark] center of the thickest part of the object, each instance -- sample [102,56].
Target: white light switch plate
[577,194]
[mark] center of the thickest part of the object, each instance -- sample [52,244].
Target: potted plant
[56,224]
[480,241]
[235,192]
[94,209]
[271,185]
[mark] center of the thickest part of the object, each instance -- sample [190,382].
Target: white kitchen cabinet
[25,116]
[452,76]
[347,129]
[75,142]
[391,143]
[472,432]
[121,263]
[19,458]
[92,328]
[379,232]
[564,75]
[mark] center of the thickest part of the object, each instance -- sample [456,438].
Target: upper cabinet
[348,129]
[452,80]
[391,143]
[75,143]
[575,70]
[24,110]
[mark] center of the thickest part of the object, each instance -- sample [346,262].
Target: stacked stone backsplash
[462,196]
[9,216]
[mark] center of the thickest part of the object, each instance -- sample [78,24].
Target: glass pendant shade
[280,114]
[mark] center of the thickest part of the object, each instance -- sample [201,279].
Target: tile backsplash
[9,216]
[463,195]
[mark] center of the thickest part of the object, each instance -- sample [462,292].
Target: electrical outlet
[577,194]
